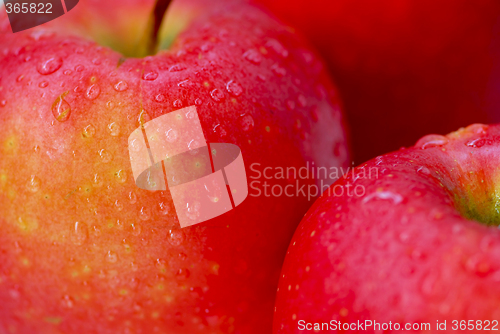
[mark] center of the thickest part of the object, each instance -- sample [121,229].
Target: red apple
[404,68]
[410,237]
[82,249]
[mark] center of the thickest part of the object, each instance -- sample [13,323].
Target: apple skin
[404,251]
[404,68]
[82,249]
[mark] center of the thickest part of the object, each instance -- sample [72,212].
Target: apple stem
[153,28]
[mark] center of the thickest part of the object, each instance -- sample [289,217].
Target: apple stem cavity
[149,44]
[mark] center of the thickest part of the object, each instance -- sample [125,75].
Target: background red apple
[404,68]
[416,242]
[82,249]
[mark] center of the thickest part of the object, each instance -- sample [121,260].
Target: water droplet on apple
[93,92]
[430,284]
[34,184]
[314,113]
[217,95]
[163,209]
[97,182]
[234,88]
[49,66]
[121,86]
[423,170]
[476,143]
[198,102]
[161,264]
[192,145]
[213,192]
[121,176]
[134,266]
[457,229]
[79,68]
[278,70]
[193,210]
[61,110]
[431,141]
[105,156]
[67,302]
[404,237]
[190,114]
[185,84]
[3,103]
[253,56]
[43,84]
[143,118]
[247,123]
[150,76]
[384,195]
[67,72]
[220,131]
[114,129]
[144,214]
[183,273]
[37,35]
[160,98]
[153,180]
[177,104]
[132,197]
[111,257]
[301,99]
[135,145]
[478,265]
[177,67]
[136,229]
[290,105]
[171,135]
[96,231]
[88,131]
[277,47]
[119,205]
[78,233]
[176,237]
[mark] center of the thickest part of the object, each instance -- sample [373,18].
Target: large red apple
[404,68]
[410,237]
[82,249]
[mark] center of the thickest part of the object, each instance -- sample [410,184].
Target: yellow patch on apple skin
[11,194]
[25,261]
[11,145]
[215,268]
[27,224]
[3,179]
[53,320]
